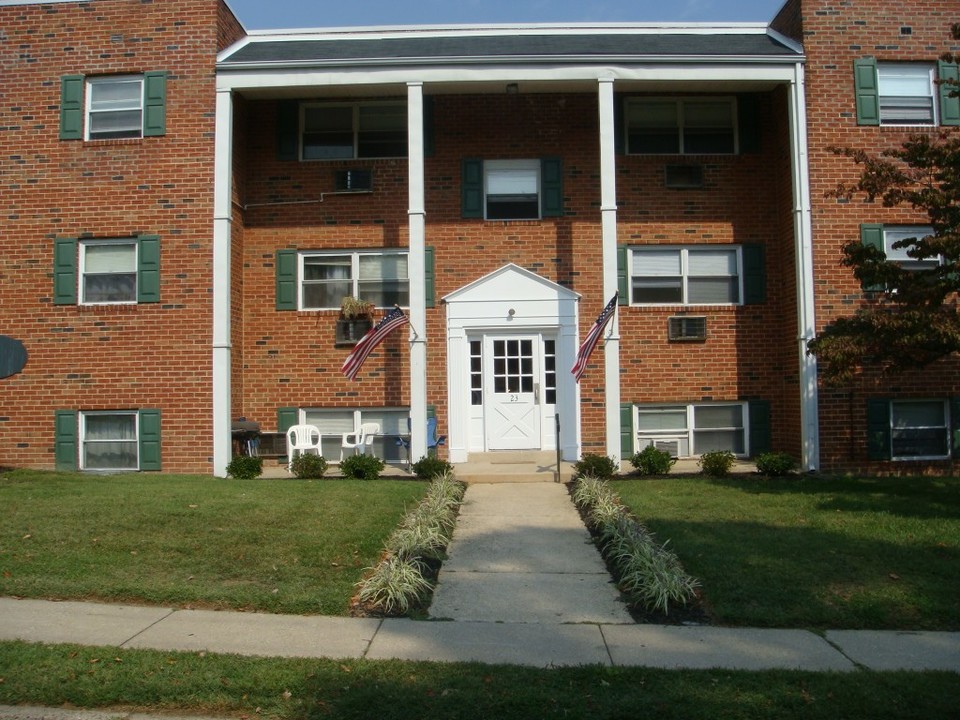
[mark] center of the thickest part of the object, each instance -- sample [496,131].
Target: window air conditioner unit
[354,180]
[663,444]
[684,328]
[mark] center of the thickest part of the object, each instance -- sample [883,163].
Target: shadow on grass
[905,497]
[757,574]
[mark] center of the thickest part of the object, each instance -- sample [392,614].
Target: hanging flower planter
[356,319]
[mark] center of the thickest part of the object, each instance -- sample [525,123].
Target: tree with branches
[910,316]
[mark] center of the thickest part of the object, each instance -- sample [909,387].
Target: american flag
[593,337]
[391,321]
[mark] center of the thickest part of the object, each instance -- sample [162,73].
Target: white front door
[512,412]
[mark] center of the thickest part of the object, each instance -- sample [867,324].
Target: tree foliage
[909,316]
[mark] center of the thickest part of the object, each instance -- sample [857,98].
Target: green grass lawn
[815,552]
[208,684]
[284,546]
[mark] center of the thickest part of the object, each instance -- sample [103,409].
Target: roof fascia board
[250,79]
[432,31]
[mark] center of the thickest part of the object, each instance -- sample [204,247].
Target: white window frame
[685,275]
[354,256]
[890,71]
[895,233]
[388,436]
[945,428]
[687,435]
[681,103]
[355,108]
[110,413]
[490,170]
[84,245]
[90,111]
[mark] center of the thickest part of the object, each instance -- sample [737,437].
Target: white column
[608,219]
[803,231]
[418,307]
[222,200]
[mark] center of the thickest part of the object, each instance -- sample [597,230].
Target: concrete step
[513,466]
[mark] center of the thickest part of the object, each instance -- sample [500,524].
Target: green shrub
[717,463]
[596,466]
[308,466]
[427,468]
[651,461]
[362,467]
[775,464]
[244,467]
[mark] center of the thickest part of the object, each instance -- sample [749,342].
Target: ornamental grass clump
[648,574]
[414,549]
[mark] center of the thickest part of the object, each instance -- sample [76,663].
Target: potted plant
[356,319]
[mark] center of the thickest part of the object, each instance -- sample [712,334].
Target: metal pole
[557,418]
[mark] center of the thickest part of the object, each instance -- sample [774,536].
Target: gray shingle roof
[529,47]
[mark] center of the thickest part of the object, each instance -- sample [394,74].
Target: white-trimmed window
[109,441]
[333,423]
[511,189]
[108,271]
[694,275]
[379,277]
[893,234]
[695,429]
[907,93]
[919,429]
[681,126]
[333,131]
[114,107]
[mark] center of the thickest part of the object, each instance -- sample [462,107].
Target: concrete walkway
[531,644]
[521,554]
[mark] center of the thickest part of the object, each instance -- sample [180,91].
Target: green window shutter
[149,439]
[760,433]
[878,429]
[871,235]
[155,103]
[748,123]
[551,187]
[287,417]
[955,427]
[754,275]
[65,441]
[867,91]
[148,269]
[286,279]
[619,124]
[65,271]
[429,276]
[626,431]
[288,130]
[71,107]
[471,188]
[949,101]
[623,275]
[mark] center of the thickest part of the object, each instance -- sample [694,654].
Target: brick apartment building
[185,204]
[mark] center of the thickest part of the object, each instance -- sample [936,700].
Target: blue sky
[270,14]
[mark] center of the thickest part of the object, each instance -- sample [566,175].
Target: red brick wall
[117,357]
[835,34]
[290,358]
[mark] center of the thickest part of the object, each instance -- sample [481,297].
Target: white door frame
[510,301]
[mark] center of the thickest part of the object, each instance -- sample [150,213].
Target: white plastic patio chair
[302,439]
[360,440]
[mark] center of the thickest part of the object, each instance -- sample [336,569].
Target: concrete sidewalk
[521,554]
[531,644]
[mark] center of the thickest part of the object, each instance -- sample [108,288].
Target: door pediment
[514,284]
